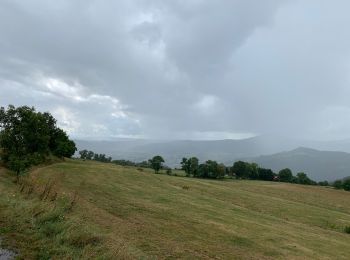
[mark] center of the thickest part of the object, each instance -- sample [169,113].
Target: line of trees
[209,169]
[213,170]
[155,163]
[242,170]
[28,137]
[342,184]
[143,164]
[245,170]
[90,155]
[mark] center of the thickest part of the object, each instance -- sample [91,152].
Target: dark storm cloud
[180,69]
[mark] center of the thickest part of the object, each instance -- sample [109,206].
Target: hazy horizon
[212,139]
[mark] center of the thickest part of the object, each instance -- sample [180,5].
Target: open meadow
[99,210]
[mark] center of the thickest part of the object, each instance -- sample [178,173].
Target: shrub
[346,185]
[338,184]
[347,229]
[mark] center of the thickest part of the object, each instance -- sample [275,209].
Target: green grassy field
[95,210]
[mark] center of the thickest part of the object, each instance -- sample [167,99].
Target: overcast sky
[200,69]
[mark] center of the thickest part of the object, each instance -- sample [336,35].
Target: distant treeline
[143,164]
[211,169]
[241,170]
[90,155]
[342,184]
[251,171]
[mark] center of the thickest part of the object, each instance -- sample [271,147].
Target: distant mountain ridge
[225,151]
[319,165]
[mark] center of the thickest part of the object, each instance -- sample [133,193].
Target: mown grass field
[104,211]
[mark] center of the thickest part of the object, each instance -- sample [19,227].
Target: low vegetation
[38,220]
[347,229]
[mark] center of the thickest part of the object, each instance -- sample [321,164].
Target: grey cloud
[180,68]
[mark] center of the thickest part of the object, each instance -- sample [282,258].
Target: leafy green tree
[285,175]
[102,158]
[185,166]
[346,185]
[245,170]
[193,166]
[338,184]
[65,149]
[202,171]
[90,155]
[59,143]
[23,132]
[266,174]
[156,163]
[253,172]
[190,166]
[83,154]
[302,178]
[221,171]
[62,146]
[240,169]
[211,169]
[27,137]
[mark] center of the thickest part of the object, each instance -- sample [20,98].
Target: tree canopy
[302,178]
[346,185]
[27,137]
[285,175]
[90,155]
[156,163]
[245,170]
[190,166]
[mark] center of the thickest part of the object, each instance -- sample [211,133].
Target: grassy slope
[134,214]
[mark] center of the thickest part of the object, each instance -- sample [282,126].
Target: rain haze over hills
[235,79]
